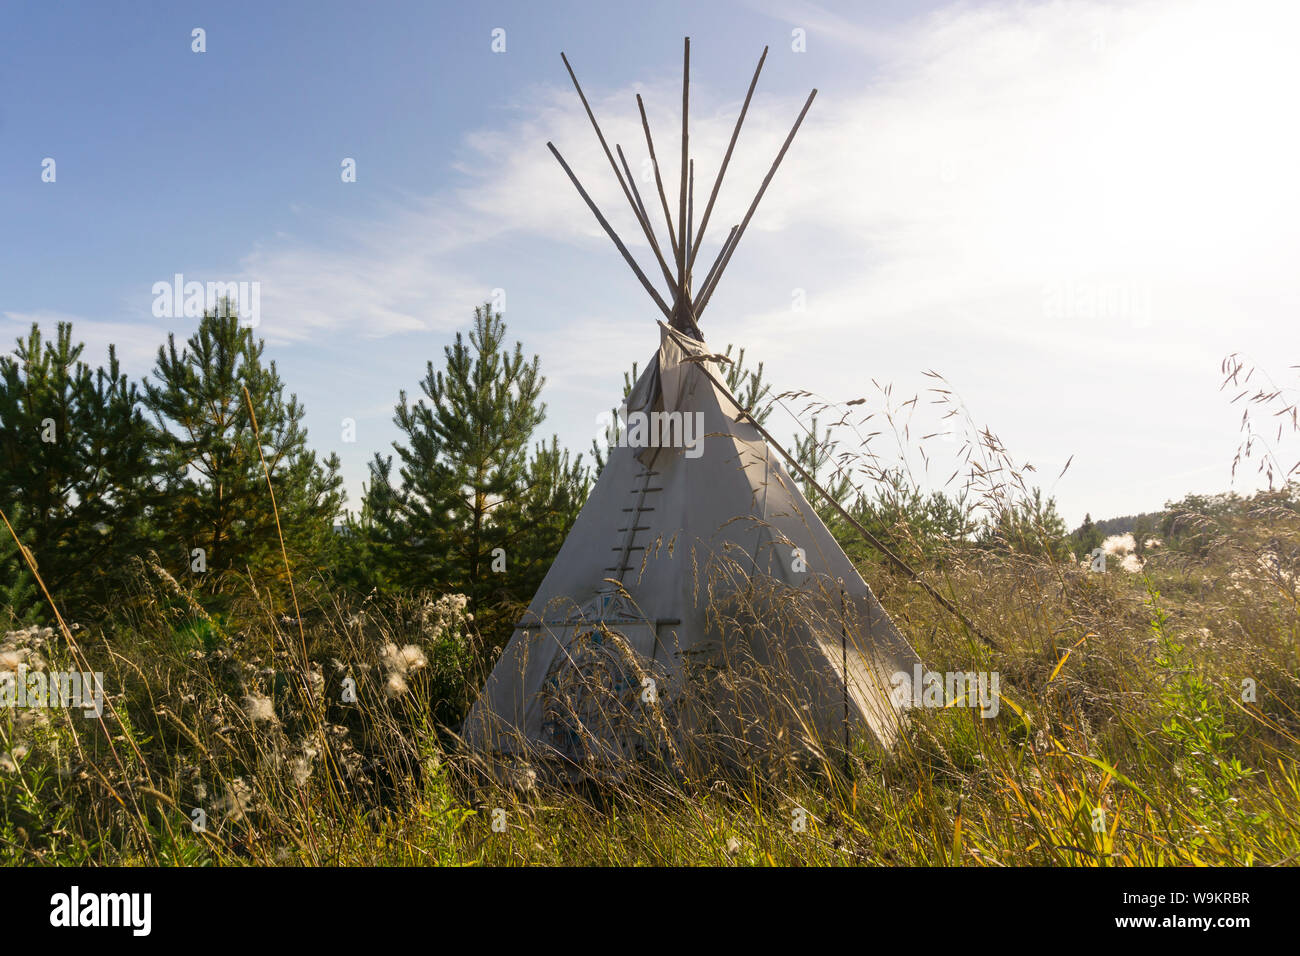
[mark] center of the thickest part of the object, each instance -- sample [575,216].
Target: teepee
[698,598]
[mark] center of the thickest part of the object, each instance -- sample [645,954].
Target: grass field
[1147,717]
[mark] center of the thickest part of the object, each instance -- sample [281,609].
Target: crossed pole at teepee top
[683,239]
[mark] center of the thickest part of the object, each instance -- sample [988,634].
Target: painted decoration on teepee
[592,699]
[593,695]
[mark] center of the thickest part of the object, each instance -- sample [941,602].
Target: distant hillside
[1126,523]
[1171,520]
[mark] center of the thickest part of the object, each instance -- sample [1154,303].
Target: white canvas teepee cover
[686,559]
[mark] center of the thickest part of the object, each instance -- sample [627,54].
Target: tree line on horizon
[99,473]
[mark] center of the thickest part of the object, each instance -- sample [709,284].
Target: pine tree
[375,547]
[537,517]
[914,524]
[464,454]
[74,451]
[754,395]
[19,603]
[1030,525]
[1086,538]
[214,506]
[815,452]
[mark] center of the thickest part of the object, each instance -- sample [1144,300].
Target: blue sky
[1071,210]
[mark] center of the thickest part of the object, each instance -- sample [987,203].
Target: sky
[1072,211]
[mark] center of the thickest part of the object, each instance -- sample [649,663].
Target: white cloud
[1074,209]
[370,279]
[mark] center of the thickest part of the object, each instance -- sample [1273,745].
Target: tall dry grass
[1148,718]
